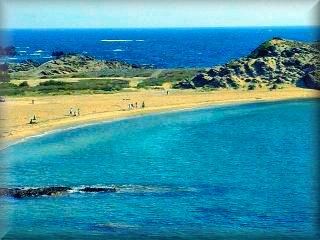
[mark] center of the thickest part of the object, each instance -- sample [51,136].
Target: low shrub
[24,84]
[251,87]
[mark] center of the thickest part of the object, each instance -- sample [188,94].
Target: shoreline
[65,124]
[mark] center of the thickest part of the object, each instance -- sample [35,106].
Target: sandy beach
[53,112]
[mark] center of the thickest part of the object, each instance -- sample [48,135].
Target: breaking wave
[116,40]
[121,40]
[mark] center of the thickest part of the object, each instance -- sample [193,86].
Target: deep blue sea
[230,172]
[163,48]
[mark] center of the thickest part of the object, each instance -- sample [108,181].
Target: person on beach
[167,92]
[71,111]
[78,112]
[33,120]
[136,105]
[142,105]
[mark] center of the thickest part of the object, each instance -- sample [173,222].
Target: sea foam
[116,40]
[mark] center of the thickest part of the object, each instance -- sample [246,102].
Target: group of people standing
[74,112]
[135,105]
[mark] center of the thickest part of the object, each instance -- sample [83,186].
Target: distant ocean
[163,48]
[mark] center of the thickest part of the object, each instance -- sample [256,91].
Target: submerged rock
[98,189]
[49,191]
[35,192]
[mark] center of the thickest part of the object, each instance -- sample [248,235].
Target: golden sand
[52,112]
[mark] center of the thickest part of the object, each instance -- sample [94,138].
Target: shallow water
[234,171]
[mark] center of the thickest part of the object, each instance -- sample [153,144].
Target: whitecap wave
[118,50]
[22,51]
[35,54]
[140,40]
[116,40]
[39,51]
[112,225]
[151,189]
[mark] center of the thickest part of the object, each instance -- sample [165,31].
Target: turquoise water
[231,172]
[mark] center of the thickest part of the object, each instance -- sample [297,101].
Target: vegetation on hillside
[167,76]
[4,75]
[274,64]
[60,87]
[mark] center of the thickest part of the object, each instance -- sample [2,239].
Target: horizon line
[126,28]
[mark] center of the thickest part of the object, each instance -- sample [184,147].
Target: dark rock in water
[35,192]
[8,191]
[48,191]
[274,62]
[98,189]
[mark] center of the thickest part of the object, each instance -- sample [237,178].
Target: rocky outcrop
[50,191]
[23,66]
[66,65]
[78,64]
[312,80]
[277,61]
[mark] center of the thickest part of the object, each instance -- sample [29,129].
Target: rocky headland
[274,63]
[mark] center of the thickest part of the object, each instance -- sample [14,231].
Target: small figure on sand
[74,112]
[32,101]
[167,92]
[33,120]
[136,105]
[143,105]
